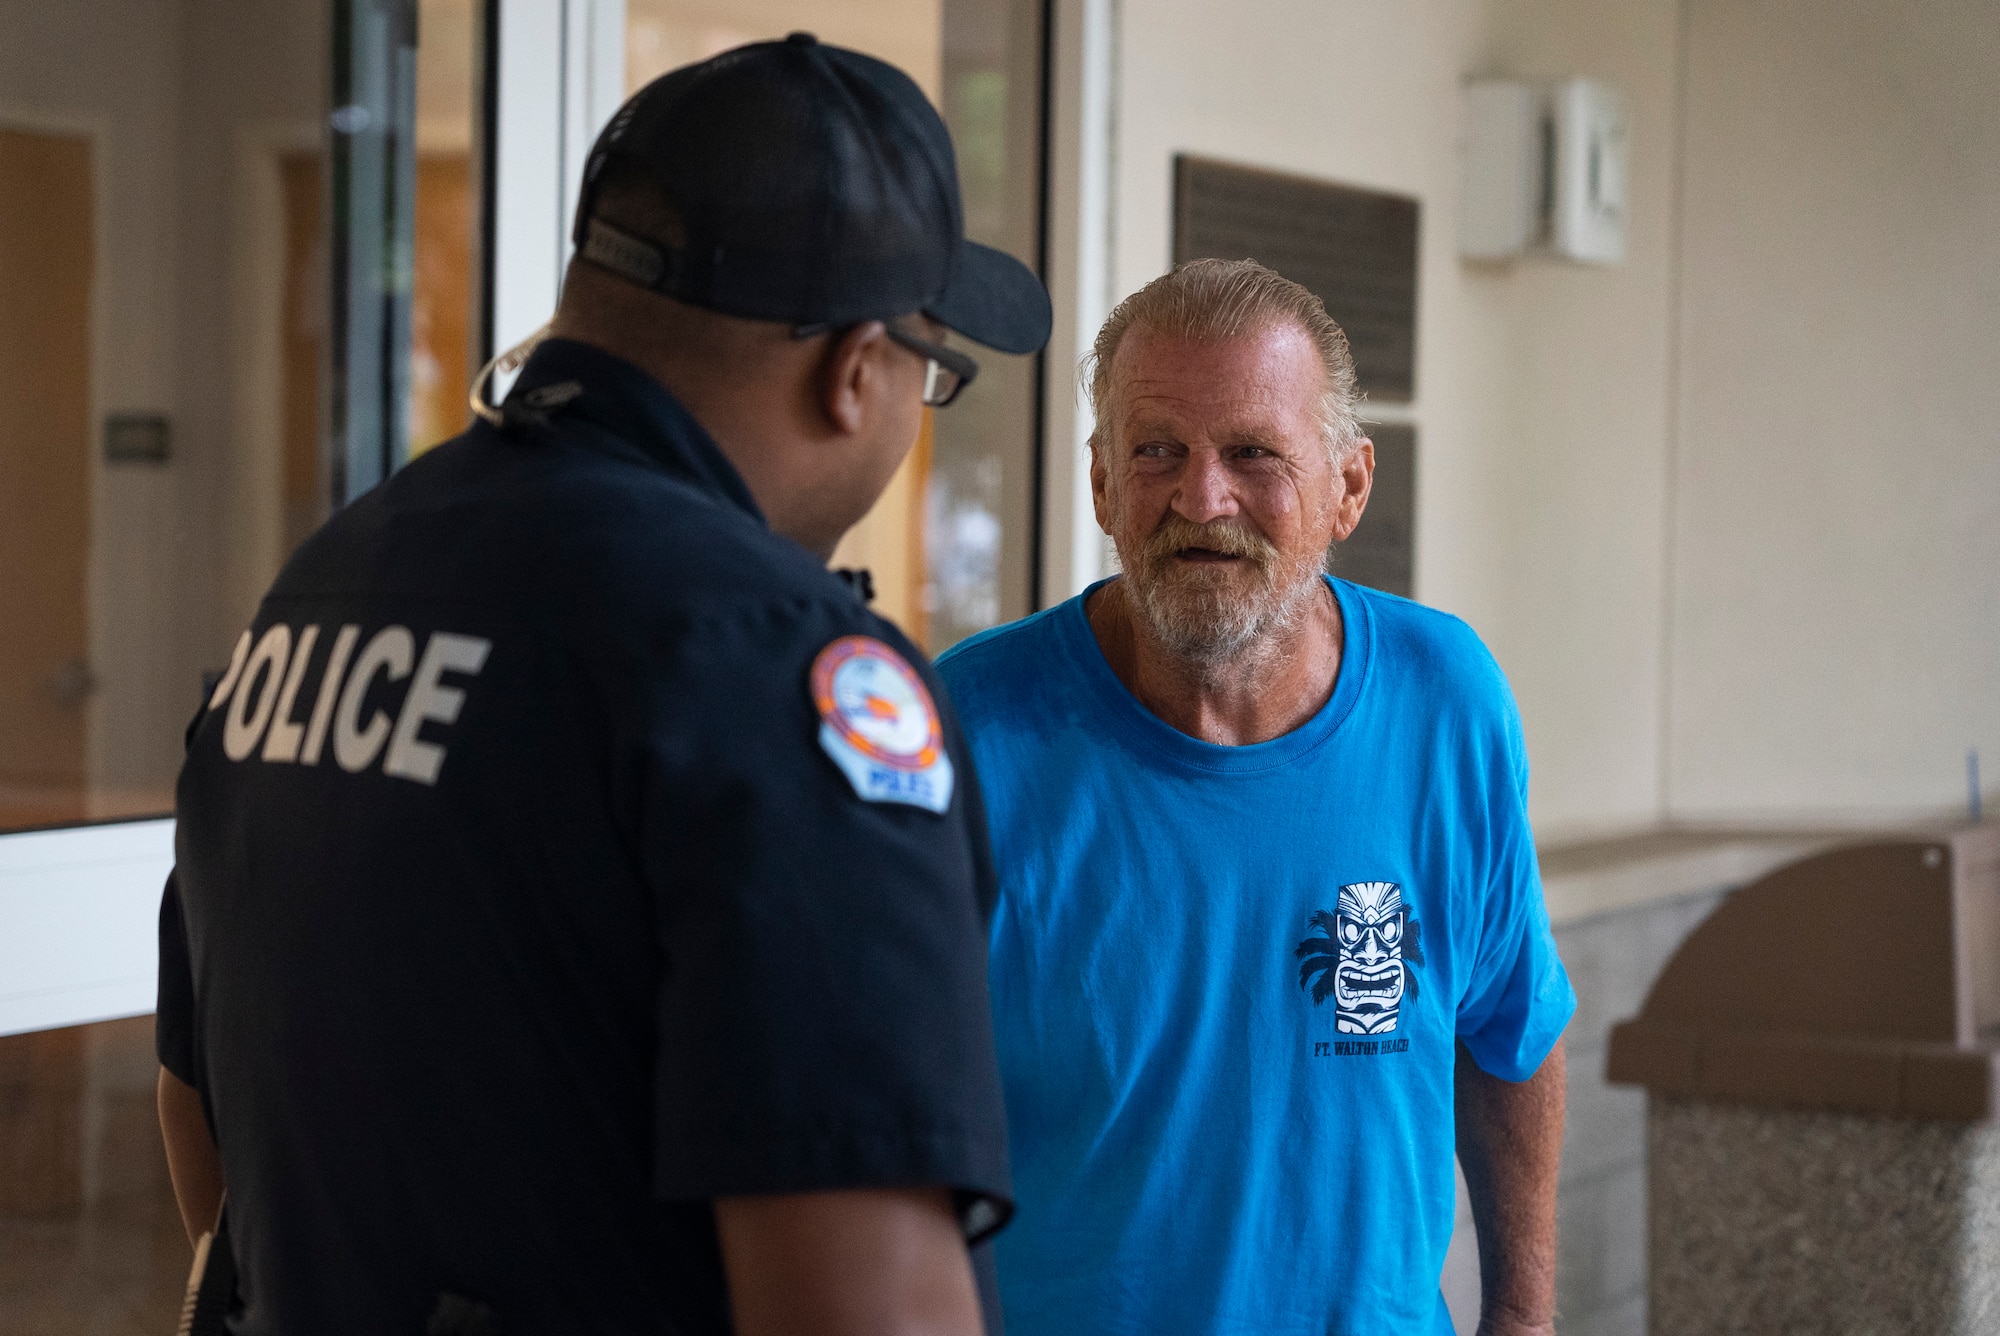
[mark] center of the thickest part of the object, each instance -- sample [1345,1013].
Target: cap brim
[993,299]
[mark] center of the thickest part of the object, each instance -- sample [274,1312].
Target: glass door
[983,493]
[950,542]
[236,289]
[237,249]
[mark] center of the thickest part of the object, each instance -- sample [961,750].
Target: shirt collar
[626,402]
[1162,739]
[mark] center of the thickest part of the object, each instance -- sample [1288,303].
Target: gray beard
[1203,618]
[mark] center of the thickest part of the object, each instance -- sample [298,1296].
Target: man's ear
[1357,476]
[850,374]
[1100,483]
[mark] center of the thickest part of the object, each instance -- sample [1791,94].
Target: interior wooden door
[46,255]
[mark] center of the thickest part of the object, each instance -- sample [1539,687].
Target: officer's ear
[851,375]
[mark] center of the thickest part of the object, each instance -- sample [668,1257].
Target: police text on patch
[262,687]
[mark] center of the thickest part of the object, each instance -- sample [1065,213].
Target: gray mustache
[1176,534]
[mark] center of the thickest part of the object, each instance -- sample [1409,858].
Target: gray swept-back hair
[1212,300]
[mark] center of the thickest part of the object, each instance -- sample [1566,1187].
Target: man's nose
[1205,490]
[1371,947]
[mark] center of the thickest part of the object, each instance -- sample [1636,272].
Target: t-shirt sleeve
[173,1018]
[1519,999]
[822,1016]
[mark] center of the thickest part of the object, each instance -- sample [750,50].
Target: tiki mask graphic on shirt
[1361,956]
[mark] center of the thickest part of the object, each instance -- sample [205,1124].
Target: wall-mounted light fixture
[1544,171]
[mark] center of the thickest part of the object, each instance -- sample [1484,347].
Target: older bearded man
[1271,940]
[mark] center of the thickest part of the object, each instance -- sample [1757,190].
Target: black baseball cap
[815,185]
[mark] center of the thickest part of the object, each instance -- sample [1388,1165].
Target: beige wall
[1361,93]
[1583,461]
[1728,514]
[1836,618]
[253,86]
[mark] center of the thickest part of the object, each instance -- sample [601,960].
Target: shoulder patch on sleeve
[878,723]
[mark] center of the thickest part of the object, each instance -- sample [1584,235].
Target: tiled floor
[90,1240]
[115,1269]
[23,807]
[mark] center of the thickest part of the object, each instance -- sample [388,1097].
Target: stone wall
[1612,959]
[1601,1262]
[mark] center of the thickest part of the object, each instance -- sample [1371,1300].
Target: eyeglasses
[947,371]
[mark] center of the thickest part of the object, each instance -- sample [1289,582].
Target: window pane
[949,542]
[185,388]
[89,1233]
[161,296]
[979,502]
[442,351]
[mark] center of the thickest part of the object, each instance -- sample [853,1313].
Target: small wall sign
[137,438]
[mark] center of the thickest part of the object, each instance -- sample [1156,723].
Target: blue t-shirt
[1227,980]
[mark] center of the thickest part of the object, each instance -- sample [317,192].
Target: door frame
[1079,221]
[542,115]
[80,906]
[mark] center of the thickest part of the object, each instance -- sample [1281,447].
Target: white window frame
[79,914]
[1081,218]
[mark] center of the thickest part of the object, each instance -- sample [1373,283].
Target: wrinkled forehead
[1267,383]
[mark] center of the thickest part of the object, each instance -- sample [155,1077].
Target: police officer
[579,919]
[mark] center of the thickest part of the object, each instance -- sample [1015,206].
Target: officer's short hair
[1213,300]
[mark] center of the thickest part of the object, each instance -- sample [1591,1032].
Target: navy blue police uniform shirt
[524,903]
